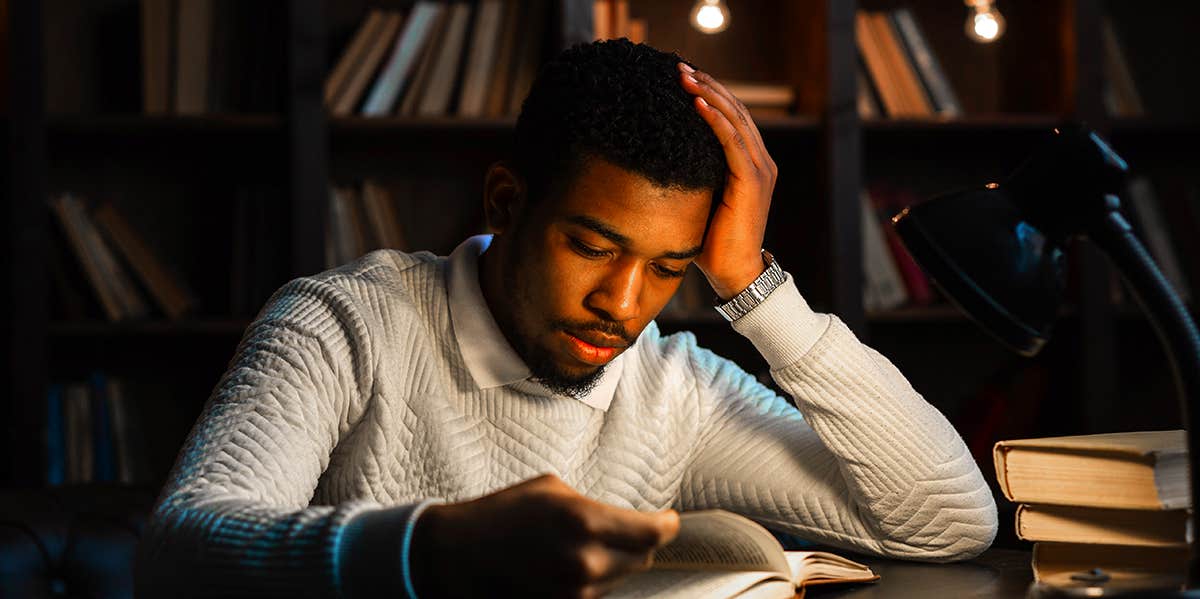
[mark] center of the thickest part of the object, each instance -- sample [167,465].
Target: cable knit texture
[348,406]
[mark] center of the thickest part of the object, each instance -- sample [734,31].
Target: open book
[722,554]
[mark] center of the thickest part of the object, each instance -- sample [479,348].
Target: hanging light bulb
[985,24]
[710,16]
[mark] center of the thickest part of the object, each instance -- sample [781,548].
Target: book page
[716,539]
[671,584]
[816,567]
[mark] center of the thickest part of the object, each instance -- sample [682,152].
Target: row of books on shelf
[469,59]
[203,56]
[899,74]
[362,218]
[107,248]
[93,433]
[1119,502]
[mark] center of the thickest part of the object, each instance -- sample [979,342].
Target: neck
[492,283]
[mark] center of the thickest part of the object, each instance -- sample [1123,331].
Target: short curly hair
[620,102]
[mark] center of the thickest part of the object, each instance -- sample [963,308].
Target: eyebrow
[612,235]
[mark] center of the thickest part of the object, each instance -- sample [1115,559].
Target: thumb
[668,526]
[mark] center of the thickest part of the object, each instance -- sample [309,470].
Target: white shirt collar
[490,359]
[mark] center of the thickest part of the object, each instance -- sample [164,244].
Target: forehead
[637,207]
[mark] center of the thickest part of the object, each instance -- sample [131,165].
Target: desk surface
[996,573]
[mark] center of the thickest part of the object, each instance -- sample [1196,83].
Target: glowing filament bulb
[984,23]
[710,16]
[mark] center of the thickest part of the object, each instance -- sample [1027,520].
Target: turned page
[720,540]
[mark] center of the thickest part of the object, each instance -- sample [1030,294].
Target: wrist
[425,553]
[728,285]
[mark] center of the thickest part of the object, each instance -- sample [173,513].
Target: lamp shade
[998,251]
[998,267]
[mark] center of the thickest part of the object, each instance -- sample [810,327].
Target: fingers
[632,530]
[728,107]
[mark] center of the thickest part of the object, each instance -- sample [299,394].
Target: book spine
[56,444]
[65,211]
[944,100]
[481,63]
[103,453]
[390,83]
[131,302]
[165,290]
[436,101]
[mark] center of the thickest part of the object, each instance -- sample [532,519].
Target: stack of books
[1119,502]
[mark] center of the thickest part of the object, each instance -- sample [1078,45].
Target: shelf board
[163,125]
[233,327]
[1001,123]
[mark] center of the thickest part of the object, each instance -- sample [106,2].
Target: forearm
[871,464]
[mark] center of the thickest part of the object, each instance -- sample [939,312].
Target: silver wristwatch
[758,290]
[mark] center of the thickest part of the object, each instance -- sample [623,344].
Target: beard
[522,333]
[547,372]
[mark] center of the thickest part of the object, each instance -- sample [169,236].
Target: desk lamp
[997,252]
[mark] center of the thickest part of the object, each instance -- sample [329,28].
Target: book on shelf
[396,73]
[917,51]
[77,418]
[56,435]
[93,433]
[904,75]
[763,98]
[888,202]
[361,67]
[439,92]
[1104,526]
[167,290]
[721,554]
[883,286]
[1145,470]
[469,59]
[867,103]
[362,218]
[1120,93]
[1154,567]
[481,58]
[116,292]
[900,67]
[205,56]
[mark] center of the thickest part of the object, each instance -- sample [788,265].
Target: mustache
[609,328]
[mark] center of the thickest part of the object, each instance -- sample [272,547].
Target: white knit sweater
[348,407]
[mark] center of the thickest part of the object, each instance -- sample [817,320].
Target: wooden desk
[996,573]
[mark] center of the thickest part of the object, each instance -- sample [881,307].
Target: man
[509,421]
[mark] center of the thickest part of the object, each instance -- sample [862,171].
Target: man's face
[592,268]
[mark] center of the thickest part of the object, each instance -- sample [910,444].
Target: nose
[618,296]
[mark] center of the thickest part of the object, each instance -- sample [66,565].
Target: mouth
[593,349]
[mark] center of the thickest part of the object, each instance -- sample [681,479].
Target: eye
[587,250]
[668,273]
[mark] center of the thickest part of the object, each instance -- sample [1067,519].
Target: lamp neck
[1176,330]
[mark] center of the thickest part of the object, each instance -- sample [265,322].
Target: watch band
[756,292]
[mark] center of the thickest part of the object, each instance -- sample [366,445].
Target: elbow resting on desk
[959,526]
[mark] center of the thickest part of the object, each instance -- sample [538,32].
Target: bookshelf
[180,174]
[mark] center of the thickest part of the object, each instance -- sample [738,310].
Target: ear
[503,197]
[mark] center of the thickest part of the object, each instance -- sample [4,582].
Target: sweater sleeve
[234,517]
[866,463]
